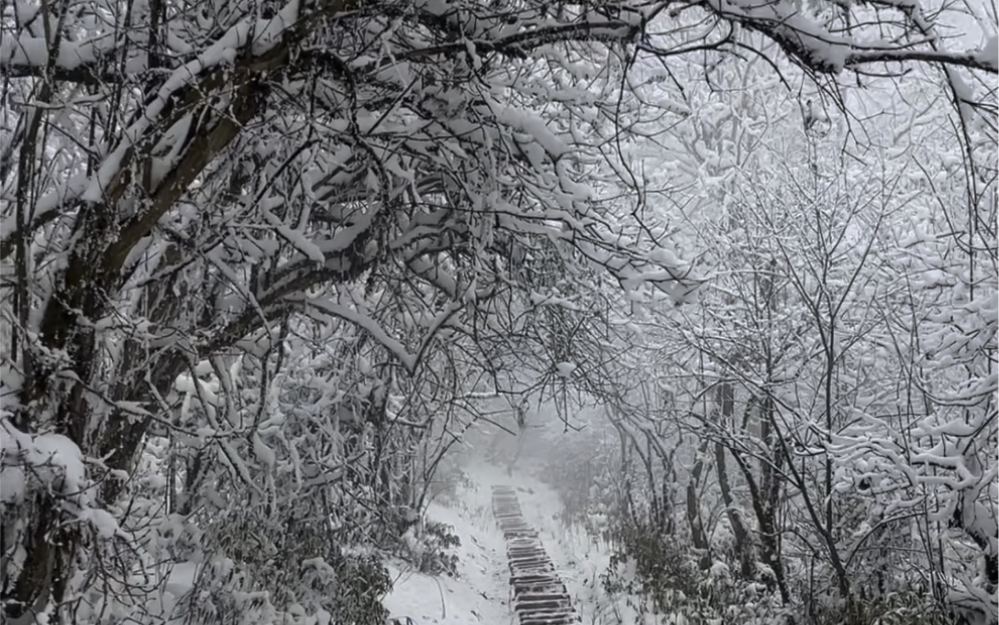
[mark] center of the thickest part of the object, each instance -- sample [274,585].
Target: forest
[285,286]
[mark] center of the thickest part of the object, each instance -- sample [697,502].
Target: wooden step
[538,596]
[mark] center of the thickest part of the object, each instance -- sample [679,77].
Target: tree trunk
[743,542]
[697,533]
[769,534]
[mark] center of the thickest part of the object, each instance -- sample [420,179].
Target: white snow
[334,308]
[269,32]
[989,52]
[11,484]
[565,369]
[26,11]
[479,593]
[787,21]
[181,578]
[296,238]
[102,521]
[55,465]
[263,453]
[53,458]
[535,128]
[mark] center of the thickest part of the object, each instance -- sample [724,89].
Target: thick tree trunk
[88,288]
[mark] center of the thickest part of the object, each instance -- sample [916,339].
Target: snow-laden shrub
[429,549]
[907,607]
[363,583]
[662,576]
[228,561]
[342,588]
[265,566]
[658,575]
[46,474]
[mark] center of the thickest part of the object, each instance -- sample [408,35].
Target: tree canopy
[418,198]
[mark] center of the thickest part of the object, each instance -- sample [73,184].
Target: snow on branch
[49,463]
[831,48]
[329,306]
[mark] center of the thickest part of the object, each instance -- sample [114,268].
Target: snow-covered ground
[480,593]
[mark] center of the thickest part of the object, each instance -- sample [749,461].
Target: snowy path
[481,592]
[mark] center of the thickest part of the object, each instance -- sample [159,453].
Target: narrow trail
[538,595]
[505,575]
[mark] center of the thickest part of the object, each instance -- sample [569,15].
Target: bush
[656,569]
[901,608]
[429,549]
[259,571]
[665,577]
[362,582]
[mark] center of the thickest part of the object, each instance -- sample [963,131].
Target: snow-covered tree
[788,365]
[186,185]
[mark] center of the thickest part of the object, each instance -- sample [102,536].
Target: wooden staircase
[538,596]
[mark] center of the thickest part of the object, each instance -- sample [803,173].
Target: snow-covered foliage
[257,259]
[821,423]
